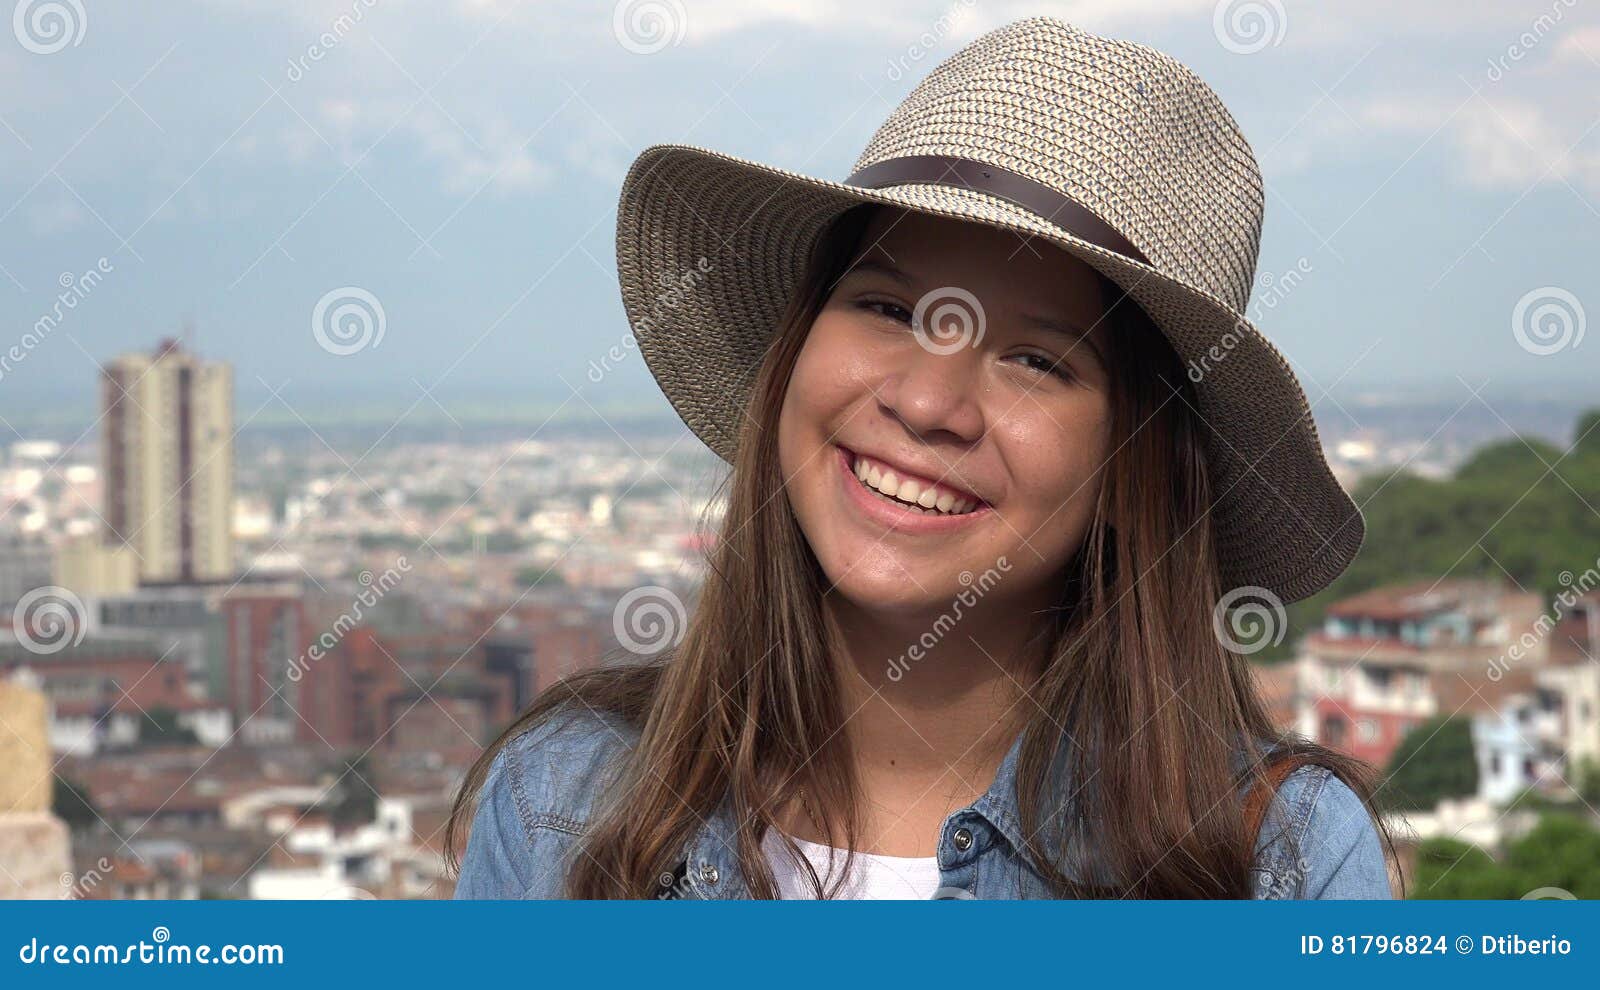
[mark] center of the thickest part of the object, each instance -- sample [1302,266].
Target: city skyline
[326,449]
[452,170]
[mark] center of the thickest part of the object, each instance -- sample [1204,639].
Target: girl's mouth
[905,502]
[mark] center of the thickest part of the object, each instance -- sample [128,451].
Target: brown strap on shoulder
[1262,791]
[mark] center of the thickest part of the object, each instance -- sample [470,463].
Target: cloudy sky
[228,163]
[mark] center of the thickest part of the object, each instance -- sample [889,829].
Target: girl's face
[960,368]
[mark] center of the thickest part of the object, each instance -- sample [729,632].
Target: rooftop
[1415,600]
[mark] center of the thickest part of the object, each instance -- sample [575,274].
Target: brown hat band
[1036,197]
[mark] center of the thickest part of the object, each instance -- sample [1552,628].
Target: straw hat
[1112,150]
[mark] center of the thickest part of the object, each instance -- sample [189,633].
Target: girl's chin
[898,596]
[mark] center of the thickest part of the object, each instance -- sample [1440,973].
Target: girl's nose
[934,393]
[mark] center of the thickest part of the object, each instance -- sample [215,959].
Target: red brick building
[1368,675]
[266,633]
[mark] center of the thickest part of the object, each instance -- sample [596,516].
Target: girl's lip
[891,516]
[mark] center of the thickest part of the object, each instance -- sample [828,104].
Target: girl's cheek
[1052,465]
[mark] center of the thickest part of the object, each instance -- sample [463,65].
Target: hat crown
[1125,130]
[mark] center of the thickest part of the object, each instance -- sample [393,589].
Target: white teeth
[910,491]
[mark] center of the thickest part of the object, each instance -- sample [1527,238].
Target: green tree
[71,803]
[1521,505]
[539,577]
[1586,780]
[1451,870]
[355,798]
[1434,761]
[1561,852]
[159,727]
[1586,435]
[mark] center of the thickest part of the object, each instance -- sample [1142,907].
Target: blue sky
[1428,164]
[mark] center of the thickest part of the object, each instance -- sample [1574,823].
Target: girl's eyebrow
[1072,331]
[1055,326]
[872,266]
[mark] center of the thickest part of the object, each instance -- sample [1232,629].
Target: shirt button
[709,873]
[962,838]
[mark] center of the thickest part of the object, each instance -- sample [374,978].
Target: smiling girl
[962,632]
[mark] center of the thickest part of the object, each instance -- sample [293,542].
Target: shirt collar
[1064,834]
[712,861]
[712,864]
[1001,806]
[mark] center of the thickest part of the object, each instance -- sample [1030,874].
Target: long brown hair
[746,708]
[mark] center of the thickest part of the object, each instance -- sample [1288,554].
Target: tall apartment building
[167,461]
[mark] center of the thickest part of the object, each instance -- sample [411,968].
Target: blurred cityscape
[254,662]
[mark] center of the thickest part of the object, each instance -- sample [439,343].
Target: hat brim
[1281,520]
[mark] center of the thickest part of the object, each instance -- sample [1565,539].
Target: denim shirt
[1316,842]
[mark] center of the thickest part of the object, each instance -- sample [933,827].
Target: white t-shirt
[903,878]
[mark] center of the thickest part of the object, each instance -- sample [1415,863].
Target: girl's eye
[887,310]
[1045,363]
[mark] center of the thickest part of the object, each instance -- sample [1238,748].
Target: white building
[83,730]
[1518,746]
[377,859]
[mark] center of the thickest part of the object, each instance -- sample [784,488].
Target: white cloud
[1582,45]
[1514,144]
[891,23]
[1531,119]
[486,156]
[58,215]
[479,152]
